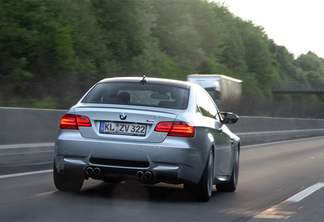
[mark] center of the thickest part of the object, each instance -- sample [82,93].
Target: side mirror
[229,118]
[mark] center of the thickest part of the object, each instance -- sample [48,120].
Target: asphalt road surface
[278,182]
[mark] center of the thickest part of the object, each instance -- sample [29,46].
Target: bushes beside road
[51,52]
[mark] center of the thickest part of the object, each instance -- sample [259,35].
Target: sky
[296,24]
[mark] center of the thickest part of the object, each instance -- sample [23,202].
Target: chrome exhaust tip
[140,174]
[148,175]
[89,170]
[97,171]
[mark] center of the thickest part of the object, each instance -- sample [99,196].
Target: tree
[257,55]
[232,49]
[187,31]
[53,51]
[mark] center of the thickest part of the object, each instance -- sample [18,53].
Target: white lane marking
[25,174]
[33,145]
[22,153]
[26,145]
[27,164]
[44,110]
[276,211]
[43,194]
[278,131]
[283,141]
[305,193]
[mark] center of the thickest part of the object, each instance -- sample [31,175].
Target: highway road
[281,181]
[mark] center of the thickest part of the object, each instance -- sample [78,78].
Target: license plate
[123,128]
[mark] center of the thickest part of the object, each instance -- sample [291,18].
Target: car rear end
[124,128]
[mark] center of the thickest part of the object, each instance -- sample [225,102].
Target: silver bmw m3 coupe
[151,130]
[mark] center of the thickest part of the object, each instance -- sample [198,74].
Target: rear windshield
[153,95]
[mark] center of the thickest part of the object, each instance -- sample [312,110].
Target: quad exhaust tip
[97,171]
[144,175]
[91,171]
[148,175]
[139,174]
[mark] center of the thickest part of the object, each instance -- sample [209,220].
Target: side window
[206,105]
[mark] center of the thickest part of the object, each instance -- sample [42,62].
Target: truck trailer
[220,87]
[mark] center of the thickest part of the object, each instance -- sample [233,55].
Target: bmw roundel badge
[123,116]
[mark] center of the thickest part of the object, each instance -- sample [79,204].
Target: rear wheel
[204,189]
[231,185]
[67,181]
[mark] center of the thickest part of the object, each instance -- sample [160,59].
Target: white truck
[220,87]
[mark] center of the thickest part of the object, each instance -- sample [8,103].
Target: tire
[204,189]
[231,185]
[67,181]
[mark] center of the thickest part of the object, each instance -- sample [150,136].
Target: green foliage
[312,67]
[51,52]
[45,103]
[209,66]
[257,56]
[251,86]
[155,63]
[187,31]
[232,50]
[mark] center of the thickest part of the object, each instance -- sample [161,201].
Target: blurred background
[52,52]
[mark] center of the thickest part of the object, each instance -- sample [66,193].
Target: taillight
[182,129]
[83,121]
[163,127]
[70,121]
[179,129]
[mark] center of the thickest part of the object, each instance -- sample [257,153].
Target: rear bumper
[172,161]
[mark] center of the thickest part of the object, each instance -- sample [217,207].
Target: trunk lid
[125,123]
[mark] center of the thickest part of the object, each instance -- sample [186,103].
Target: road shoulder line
[305,193]
[25,174]
[26,145]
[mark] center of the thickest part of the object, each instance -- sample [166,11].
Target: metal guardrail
[27,135]
[294,87]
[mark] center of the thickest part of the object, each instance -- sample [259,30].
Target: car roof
[148,80]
